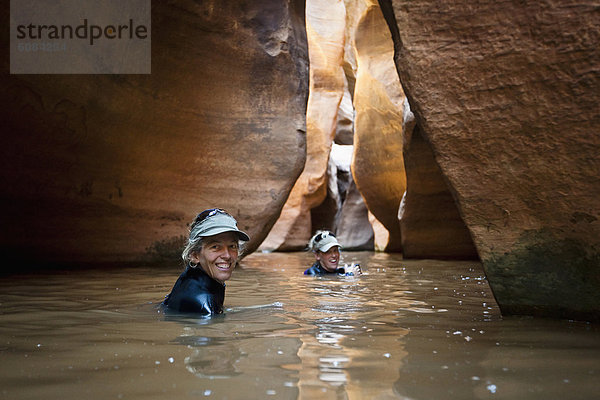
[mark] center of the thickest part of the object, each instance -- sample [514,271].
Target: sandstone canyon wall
[507,95]
[325,24]
[355,99]
[430,223]
[112,168]
[378,165]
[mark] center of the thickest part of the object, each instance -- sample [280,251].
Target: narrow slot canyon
[437,131]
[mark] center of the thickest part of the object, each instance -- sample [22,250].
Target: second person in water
[326,249]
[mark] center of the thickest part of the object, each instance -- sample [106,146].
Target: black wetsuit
[196,292]
[317,269]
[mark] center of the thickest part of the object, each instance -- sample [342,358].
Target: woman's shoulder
[196,292]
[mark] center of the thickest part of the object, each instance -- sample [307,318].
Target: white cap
[323,241]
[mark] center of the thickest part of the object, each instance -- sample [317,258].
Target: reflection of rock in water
[214,362]
[243,354]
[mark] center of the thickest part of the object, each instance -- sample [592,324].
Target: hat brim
[216,230]
[328,246]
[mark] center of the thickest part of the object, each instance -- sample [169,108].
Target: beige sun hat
[218,221]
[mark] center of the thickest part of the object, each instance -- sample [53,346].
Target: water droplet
[491,388]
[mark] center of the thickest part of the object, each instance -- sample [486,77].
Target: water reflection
[246,348]
[329,337]
[345,333]
[219,361]
[403,330]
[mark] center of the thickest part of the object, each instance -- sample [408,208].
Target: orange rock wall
[354,90]
[378,165]
[325,27]
[112,168]
[507,95]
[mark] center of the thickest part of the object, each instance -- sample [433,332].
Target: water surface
[405,329]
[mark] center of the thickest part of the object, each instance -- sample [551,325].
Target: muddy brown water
[405,329]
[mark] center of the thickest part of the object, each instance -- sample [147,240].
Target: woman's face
[329,259]
[218,256]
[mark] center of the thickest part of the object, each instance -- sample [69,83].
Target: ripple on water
[416,329]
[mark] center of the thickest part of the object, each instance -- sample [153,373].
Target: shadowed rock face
[104,168]
[429,220]
[507,94]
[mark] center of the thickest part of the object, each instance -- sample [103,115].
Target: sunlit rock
[344,133]
[326,215]
[110,168]
[381,235]
[507,96]
[378,166]
[332,27]
[325,28]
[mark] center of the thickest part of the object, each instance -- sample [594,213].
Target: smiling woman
[326,249]
[210,257]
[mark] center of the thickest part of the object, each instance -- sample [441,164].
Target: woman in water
[210,256]
[326,249]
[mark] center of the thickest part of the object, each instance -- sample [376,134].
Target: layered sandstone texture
[355,98]
[325,29]
[378,165]
[507,95]
[112,168]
